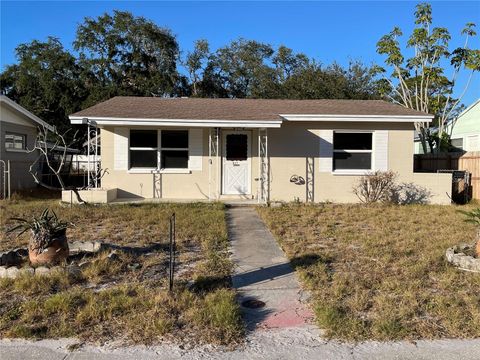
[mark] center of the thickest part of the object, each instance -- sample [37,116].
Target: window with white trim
[14,141]
[352,150]
[174,150]
[143,149]
[457,144]
[162,149]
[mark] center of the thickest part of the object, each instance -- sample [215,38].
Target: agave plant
[474,217]
[44,229]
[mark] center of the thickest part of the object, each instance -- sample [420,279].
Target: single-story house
[264,150]
[18,133]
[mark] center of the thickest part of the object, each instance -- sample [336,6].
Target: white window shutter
[195,149]
[120,148]
[326,151]
[381,150]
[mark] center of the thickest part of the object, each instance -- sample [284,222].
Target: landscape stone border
[456,255]
[11,261]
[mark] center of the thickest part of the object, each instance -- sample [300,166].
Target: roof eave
[25,112]
[357,118]
[116,121]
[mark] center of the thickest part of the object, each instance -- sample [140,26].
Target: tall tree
[288,63]
[419,82]
[242,65]
[312,81]
[126,55]
[196,63]
[45,81]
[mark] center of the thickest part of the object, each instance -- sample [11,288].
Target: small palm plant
[474,217]
[48,241]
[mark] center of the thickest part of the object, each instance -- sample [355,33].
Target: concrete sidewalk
[262,272]
[285,344]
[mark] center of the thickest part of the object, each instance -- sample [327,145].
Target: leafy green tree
[45,81]
[241,66]
[196,63]
[126,55]
[287,63]
[419,82]
[332,82]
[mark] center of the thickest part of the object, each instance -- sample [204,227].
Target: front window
[15,141]
[174,151]
[145,152]
[352,151]
[143,149]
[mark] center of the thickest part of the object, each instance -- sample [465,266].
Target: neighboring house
[417,144]
[465,134]
[268,150]
[18,133]
[82,162]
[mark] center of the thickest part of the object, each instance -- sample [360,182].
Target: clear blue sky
[329,31]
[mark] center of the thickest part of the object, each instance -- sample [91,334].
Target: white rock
[26,271]
[42,270]
[13,272]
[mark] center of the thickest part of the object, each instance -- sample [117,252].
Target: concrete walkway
[263,273]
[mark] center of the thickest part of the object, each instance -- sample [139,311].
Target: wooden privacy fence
[469,161]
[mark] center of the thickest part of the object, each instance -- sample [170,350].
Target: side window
[352,151]
[15,141]
[457,144]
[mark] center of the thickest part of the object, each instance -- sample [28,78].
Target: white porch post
[213,151]
[211,154]
[217,153]
[96,159]
[209,164]
[88,154]
[264,166]
[259,177]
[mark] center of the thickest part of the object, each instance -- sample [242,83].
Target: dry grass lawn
[379,272]
[127,300]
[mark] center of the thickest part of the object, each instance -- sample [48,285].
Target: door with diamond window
[236,163]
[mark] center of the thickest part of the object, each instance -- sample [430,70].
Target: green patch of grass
[379,272]
[219,315]
[41,285]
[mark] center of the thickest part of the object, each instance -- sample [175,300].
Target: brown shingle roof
[235,109]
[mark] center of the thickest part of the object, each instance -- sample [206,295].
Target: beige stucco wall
[20,161]
[194,185]
[98,196]
[289,148]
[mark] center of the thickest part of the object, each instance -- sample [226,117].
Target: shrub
[375,187]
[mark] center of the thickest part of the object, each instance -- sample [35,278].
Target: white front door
[236,162]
